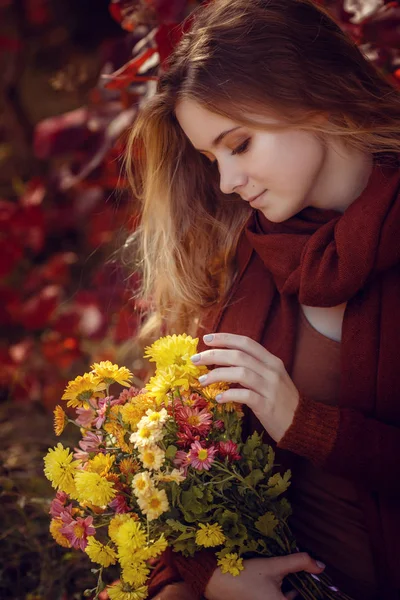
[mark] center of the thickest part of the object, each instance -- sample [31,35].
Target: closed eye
[239,150]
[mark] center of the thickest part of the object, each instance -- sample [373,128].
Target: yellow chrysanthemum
[212,390]
[133,411]
[209,534]
[60,420]
[110,373]
[122,591]
[82,388]
[100,464]
[172,350]
[154,505]
[152,457]
[129,538]
[116,523]
[142,484]
[135,572]
[98,553]
[157,547]
[166,379]
[55,526]
[91,487]
[231,563]
[60,468]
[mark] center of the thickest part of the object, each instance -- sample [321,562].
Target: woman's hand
[261,578]
[269,391]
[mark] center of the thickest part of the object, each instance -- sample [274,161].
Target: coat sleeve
[347,443]
[173,567]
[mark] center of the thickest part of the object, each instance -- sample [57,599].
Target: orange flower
[55,526]
[60,420]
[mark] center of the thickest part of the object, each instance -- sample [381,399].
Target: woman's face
[283,166]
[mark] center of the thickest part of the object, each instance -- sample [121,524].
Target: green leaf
[252,443]
[270,459]
[283,509]
[266,524]
[254,477]
[176,525]
[185,536]
[278,484]
[171,451]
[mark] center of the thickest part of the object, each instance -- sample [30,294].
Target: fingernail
[202,378]
[195,358]
[320,564]
[208,338]
[218,397]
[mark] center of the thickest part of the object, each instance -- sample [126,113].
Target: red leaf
[37,311]
[126,326]
[11,253]
[10,305]
[129,72]
[60,351]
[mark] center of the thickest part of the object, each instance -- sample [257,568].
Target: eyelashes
[244,146]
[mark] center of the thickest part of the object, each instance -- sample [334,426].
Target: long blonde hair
[284,58]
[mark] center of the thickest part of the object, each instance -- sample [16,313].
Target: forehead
[199,124]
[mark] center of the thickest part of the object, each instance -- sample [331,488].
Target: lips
[255,197]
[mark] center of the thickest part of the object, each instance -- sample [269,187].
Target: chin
[274,217]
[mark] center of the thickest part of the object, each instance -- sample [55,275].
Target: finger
[242,342]
[232,358]
[293,563]
[242,375]
[245,396]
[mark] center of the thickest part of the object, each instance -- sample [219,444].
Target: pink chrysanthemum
[201,458]
[229,450]
[85,416]
[77,531]
[119,505]
[126,395]
[197,420]
[89,443]
[198,401]
[219,425]
[57,505]
[186,437]
[182,461]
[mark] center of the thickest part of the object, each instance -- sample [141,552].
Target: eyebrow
[220,137]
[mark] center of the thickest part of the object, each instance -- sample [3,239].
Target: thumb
[293,563]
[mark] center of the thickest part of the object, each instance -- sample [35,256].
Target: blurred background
[74,73]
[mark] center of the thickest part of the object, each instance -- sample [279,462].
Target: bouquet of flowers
[162,466]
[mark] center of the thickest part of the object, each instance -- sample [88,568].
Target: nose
[231,178]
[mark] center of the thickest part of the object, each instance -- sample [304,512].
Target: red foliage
[63,302]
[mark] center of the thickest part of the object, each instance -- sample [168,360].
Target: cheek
[289,158]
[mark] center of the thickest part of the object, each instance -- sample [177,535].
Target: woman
[267,167]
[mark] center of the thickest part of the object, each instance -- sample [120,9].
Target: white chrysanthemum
[157,416]
[142,484]
[146,436]
[154,505]
[152,457]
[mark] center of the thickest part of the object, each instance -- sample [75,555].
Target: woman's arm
[346,443]
[172,567]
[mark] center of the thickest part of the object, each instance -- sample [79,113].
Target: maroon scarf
[324,258]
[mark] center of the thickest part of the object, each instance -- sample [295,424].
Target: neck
[343,176]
